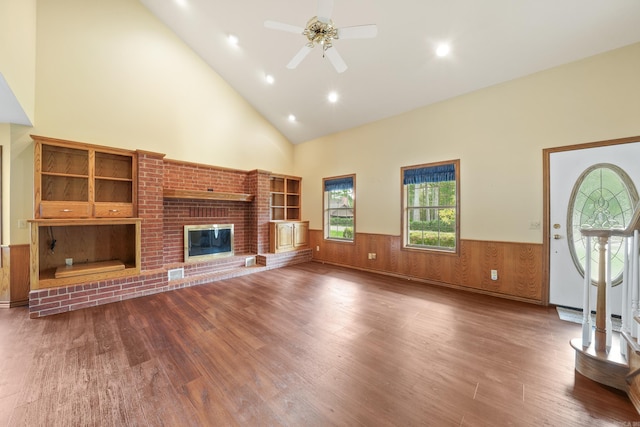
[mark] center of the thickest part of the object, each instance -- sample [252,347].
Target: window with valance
[339,208]
[431,206]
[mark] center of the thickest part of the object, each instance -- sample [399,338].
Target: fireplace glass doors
[203,242]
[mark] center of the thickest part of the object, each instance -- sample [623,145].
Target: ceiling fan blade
[335,59]
[325,9]
[296,60]
[358,32]
[283,27]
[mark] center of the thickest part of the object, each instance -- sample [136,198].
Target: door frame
[546,203]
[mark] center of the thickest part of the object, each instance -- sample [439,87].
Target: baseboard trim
[12,304]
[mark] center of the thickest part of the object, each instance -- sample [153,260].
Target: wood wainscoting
[14,276]
[519,265]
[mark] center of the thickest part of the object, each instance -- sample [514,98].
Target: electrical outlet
[317,248]
[373,255]
[22,223]
[494,274]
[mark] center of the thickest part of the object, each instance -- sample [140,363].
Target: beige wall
[18,50]
[17,182]
[21,186]
[18,67]
[497,133]
[5,143]
[110,73]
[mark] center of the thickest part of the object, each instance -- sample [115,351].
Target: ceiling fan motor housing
[322,33]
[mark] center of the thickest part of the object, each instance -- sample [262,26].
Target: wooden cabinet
[97,249]
[300,234]
[286,231]
[85,203]
[285,198]
[288,235]
[76,180]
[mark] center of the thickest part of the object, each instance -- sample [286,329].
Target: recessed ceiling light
[232,39]
[181,3]
[333,97]
[269,79]
[292,118]
[443,50]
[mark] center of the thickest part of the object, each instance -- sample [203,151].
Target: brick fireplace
[162,238]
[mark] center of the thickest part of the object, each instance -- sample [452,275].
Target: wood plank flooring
[309,345]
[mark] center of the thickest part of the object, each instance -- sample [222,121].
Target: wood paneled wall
[14,276]
[19,276]
[5,282]
[519,265]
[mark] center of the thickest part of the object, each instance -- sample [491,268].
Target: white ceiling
[492,41]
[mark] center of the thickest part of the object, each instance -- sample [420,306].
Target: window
[339,207]
[603,197]
[431,206]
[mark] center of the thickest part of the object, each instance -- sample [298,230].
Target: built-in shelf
[99,249]
[85,200]
[170,193]
[285,197]
[78,180]
[88,268]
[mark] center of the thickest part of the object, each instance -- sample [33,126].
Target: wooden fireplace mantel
[170,193]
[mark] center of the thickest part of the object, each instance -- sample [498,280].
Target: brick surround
[177,214]
[150,209]
[162,235]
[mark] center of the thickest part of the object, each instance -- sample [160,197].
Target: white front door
[565,168]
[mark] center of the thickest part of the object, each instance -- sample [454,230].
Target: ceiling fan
[320,30]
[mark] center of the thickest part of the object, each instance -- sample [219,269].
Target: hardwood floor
[309,345]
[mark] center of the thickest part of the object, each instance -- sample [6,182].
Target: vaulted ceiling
[491,41]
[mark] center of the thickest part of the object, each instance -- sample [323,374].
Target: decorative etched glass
[603,197]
